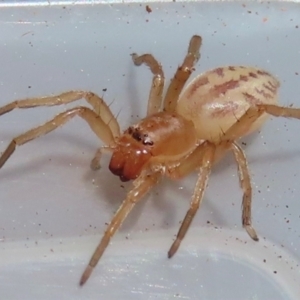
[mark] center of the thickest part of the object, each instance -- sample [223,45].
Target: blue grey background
[54,208]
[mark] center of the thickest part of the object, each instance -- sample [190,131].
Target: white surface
[54,208]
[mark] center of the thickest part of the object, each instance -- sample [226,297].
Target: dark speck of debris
[275,272]
[104,90]
[264,260]
[148,9]
[29,86]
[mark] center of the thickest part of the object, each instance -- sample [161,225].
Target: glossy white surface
[54,208]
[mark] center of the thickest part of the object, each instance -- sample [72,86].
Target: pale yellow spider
[189,130]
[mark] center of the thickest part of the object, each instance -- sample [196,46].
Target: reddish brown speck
[264,93]
[270,88]
[231,68]
[251,99]
[244,78]
[224,87]
[148,9]
[219,71]
[274,86]
[197,84]
[262,72]
[251,74]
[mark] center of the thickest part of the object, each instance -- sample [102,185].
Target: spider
[190,129]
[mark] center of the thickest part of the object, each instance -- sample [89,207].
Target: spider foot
[85,276]
[250,230]
[174,248]
[95,164]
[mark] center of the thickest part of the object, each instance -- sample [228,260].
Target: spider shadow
[38,161]
[112,191]
[222,167]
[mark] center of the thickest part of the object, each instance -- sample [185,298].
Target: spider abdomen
[215,100]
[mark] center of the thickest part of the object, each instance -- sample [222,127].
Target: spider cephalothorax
[152,141]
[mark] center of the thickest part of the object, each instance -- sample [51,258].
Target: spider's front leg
[182,74]
[155,95]
[98,104]
[141,186]
[100,119]
[100,128]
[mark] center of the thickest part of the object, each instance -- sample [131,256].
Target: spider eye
[136,134]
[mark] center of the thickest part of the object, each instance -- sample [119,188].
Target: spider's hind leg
[245,184]
[235,131]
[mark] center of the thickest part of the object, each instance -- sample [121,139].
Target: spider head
[154,141]
[130,155]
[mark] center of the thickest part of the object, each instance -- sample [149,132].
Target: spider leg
[99,106]
[245,183]
[182,74]
[155,95]
[235,131]
[100,128]
[95,162]
[204,171]
[190,164]
[141,186]
[239,128]
[253,113]
[194,161]
[280,111]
